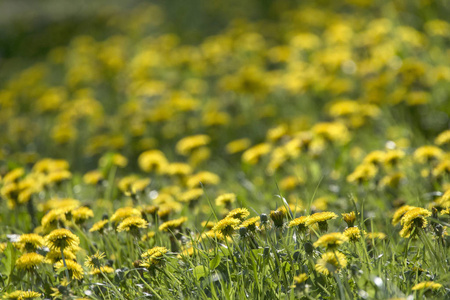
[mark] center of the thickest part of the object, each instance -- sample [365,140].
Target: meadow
[209,150]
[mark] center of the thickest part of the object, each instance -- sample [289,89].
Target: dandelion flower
[99,226]
[60,239]
[172,225]
[93,177]
[29,261]
[331,240]
[399,213]
[152,160]
[54,256]
[153,256]
[225,199]
[443,138]
[427,285]
[237,145]
[123,213]
[301,278]
[331,262]
[352,233]
[81,214]
[375,235]
[21,295]
[102,269]
[362,173]
[251,224]
[75,270]
[299,223]
[321,218]
[226,226]
[187,144]
[278,216]
[95,261]
[427,153]
[414,219]
[30,242]
[349,218]
[204,177]
[191,195]
[132,224]
[238,213]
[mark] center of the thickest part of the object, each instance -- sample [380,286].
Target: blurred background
[82,78]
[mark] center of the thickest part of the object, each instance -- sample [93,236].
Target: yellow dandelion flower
[178,169]
[290,182]
[278,216]
[427,153]
[392,180]
[353,233]
[58,176]
[99,226]
[204,177]
[93,177]
[225,199]
[299,223]
[392,157]
[138,186]
[187,252]
[226,226]
[30,242]
[123,213]
[119,160]
[442,168]
[399,213]
[95,261]
[51,219]
[173,225]
[332,131]
[331,240]
[187,144]
[424,285]
[253,154]
[208,224]
[13,176]
[20,295]
[191,195]
[125,183]
[54,256]
[443,138]
[363,172]
[321,219]
[60,239]
[349,218]
[132,224]
[375,235]
[75,270]
[153,256]
[102,269]
[29,261]
[251,224]
[238,213]
[376,157]
[237,146]
[81,214]
[412,220]
[149,235]
[152,160]
[331,262]
[301,278]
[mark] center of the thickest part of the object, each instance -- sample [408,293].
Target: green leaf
[215,262]
[200,271]
[9,260]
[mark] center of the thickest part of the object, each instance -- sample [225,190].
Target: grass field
[209,150]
